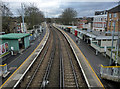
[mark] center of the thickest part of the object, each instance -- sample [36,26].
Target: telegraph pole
[23,17]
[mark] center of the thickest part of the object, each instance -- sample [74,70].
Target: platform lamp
[112,41]
[118,42]
[22,6]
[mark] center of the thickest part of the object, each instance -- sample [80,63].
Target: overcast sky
[53,8]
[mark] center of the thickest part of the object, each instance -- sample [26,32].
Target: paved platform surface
[20,64]
[92,78]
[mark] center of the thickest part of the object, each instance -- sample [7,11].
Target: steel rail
[61,67]
[48,69]
[84,75]
[38,66]
[22,77]
[61,81]
[73,69]
[72,66]
[36,70]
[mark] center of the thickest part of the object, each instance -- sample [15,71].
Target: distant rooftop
[97,35]
[105,37]
[101,12]
[115,9]
[14,36]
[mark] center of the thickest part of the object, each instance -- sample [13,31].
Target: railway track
[38,68]
[70,72]
[55,67]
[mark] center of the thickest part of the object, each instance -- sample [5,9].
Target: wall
[110,27]
[26,42]
[12,43]
[108,43]
[99,22]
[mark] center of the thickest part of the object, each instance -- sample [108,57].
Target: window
[113,24]
[104,40]
[99,42]
[110,16]
[115,15]
[105,19]
[109,23]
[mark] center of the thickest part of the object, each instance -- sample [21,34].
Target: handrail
[3,65]
[110,66]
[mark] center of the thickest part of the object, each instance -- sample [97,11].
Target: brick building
[113,17]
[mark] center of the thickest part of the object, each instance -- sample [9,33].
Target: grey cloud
[83,8]
[88,8]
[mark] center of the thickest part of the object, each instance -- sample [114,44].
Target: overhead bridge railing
[110,73]
[3,70]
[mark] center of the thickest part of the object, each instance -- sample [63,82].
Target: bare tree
[6,17]
[68,16]
[33,16]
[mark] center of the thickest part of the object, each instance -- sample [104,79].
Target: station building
[18,41]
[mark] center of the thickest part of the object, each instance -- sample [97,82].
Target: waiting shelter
[17,41]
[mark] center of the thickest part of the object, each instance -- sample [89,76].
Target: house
[81,23]
[85,23]
[113,19]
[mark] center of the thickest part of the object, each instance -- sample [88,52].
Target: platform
[16,76]
[91,78]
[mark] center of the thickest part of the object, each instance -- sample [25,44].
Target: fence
[110,73]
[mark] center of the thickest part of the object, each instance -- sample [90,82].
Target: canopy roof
[14,35]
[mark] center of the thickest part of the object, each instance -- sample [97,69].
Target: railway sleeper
[70,84]
[69,77]
[69,80]
[69,74]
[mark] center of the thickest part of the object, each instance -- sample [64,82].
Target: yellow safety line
[23,62]
[3,65]
[86,60]
[110,66]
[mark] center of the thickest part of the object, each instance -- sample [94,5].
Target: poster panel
[0,49]
[3,48]
[6,47]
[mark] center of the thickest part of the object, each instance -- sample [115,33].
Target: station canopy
[14,36]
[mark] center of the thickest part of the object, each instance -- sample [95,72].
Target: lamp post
[23,17]
[118,41]
[112,42]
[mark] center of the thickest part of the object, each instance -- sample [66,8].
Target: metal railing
[110,73]
[3,70]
